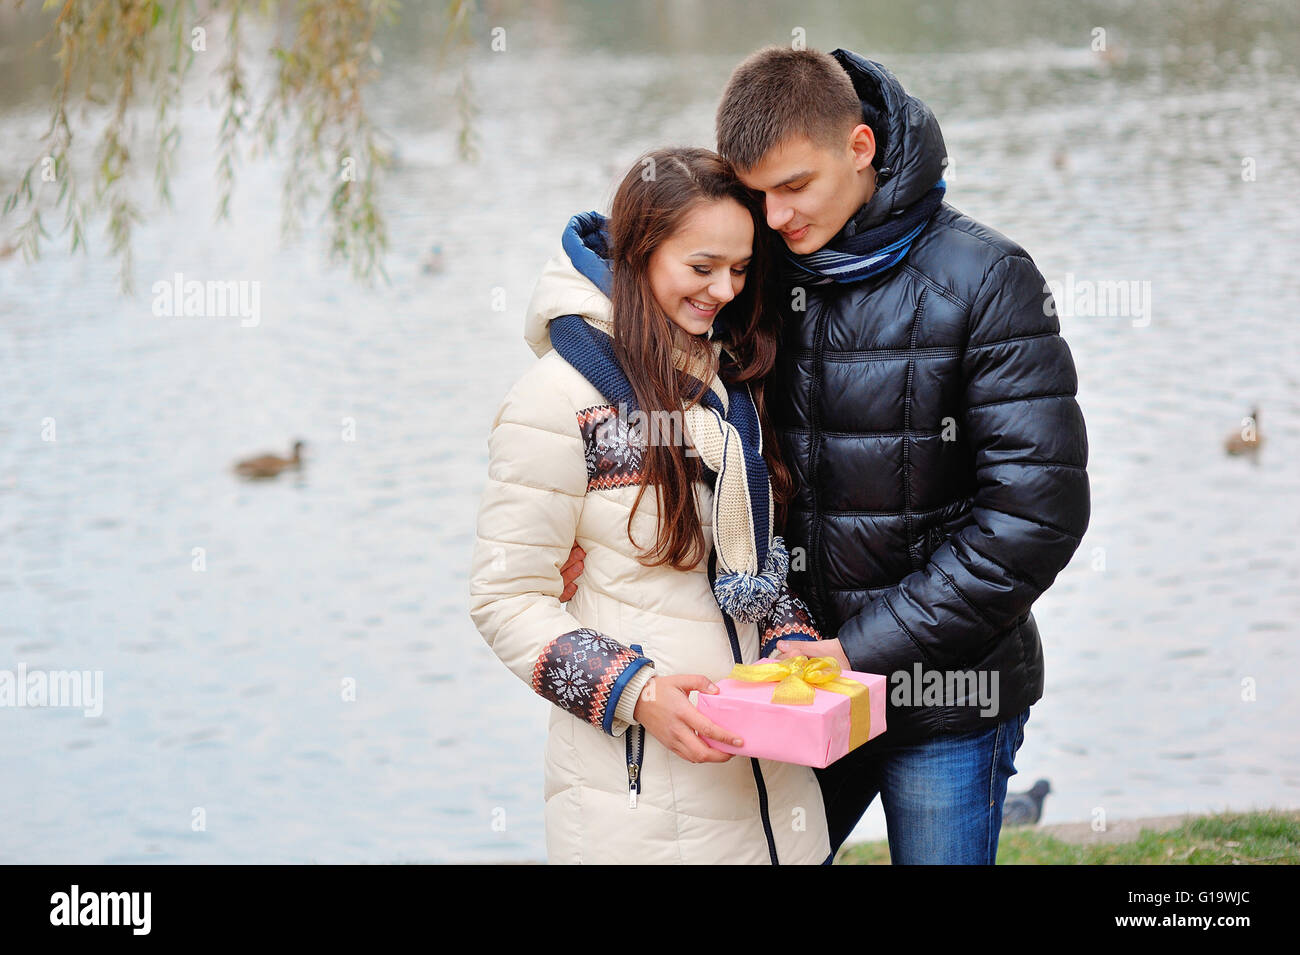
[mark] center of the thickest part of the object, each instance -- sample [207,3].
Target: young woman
[640,435]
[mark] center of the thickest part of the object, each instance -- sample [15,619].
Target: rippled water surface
[222,687]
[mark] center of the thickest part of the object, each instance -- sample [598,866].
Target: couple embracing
[788,402]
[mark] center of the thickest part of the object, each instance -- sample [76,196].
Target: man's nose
[778,216]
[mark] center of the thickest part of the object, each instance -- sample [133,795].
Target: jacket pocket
[928,541]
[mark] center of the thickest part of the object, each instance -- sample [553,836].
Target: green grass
[1254,838]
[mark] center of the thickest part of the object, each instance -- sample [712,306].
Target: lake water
[224,686]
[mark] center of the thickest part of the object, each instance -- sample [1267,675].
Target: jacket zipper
[634,743]
[815,575]
[908,520]
[758,773]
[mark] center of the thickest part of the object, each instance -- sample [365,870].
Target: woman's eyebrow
[716,255]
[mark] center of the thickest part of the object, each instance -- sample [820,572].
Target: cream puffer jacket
[614,793]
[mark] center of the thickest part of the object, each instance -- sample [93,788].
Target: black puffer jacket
[929,415]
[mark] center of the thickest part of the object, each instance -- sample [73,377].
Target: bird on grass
[269,465]
[1247,439]
[1025,809]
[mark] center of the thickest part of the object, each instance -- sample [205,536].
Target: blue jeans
[942,796]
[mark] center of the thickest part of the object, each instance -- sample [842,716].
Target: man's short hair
[778,92]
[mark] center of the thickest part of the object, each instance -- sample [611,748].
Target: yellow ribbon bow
[798,680]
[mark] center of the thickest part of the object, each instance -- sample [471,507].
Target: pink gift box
[816,734]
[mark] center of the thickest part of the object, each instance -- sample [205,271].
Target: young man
[926,402]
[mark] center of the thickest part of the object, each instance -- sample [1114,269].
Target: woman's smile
[706,310]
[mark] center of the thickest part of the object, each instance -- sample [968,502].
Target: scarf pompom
[749,597]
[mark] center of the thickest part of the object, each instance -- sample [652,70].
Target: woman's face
[702,266]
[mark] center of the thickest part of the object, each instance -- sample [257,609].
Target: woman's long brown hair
[647,210]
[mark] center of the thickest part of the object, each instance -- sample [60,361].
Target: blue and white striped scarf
[868,253]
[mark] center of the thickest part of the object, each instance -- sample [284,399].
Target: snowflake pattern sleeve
[529,517]
[586,673]
[789,619]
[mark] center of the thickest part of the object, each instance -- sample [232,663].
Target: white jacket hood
[575,282]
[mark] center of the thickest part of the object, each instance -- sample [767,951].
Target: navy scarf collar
[591,352]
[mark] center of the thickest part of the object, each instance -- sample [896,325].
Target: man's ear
[862,141]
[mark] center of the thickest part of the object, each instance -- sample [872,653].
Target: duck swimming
[269,465]
[1247,439]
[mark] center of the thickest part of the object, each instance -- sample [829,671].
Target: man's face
[811,191]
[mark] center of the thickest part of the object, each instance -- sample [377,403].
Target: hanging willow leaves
[112,55]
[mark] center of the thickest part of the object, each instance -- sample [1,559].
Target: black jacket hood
[907,136]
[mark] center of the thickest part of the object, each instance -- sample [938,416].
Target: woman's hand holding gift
[665,710]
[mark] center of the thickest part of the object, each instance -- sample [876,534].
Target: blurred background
[1159,157]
